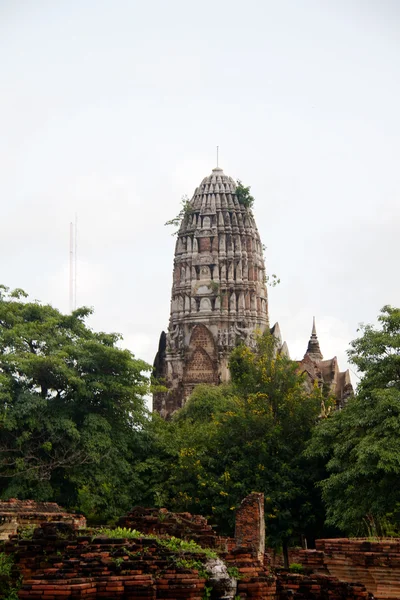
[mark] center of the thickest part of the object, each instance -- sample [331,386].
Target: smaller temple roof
[313,349]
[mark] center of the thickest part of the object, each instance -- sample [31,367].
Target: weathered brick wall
[205,244]
[250,524]
[374,564]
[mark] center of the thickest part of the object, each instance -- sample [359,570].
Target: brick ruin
[60,561]
[20,513]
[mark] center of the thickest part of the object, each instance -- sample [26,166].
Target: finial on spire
[313,349]
[217,169]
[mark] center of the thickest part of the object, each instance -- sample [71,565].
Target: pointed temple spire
[313,349]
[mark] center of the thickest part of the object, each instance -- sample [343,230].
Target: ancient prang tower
[219,298]
[219,293]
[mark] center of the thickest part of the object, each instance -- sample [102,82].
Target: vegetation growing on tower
[185,210]
[243,195]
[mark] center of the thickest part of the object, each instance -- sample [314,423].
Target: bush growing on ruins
[118,533]
[71,403]
[360,443]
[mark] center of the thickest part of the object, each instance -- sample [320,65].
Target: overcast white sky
[113,109]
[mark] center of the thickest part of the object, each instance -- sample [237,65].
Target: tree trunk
[285,551]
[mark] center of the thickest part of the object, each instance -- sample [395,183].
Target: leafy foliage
[296,568]
[360,443]
[9,583]
[6,564]
[119,533]
[243,195]
[185,210]
[71,406]
[272,280]
[376,353]
[181,546]
[26,532]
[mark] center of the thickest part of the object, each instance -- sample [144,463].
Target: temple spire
[313,349]
[218,298]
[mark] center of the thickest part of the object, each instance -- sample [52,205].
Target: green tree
[248,436]
[360,444]
[71,408]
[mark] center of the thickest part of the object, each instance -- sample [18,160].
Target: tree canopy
[360,444]
[71,403]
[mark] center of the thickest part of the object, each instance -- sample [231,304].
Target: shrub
[296,568]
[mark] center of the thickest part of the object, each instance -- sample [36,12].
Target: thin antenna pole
[76,259]
[217,156]
[71,265]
